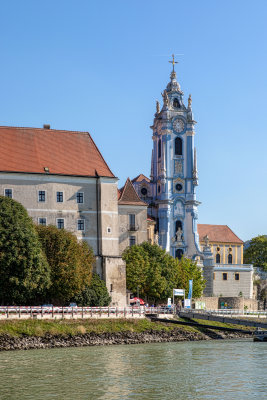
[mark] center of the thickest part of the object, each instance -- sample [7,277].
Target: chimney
[46,126]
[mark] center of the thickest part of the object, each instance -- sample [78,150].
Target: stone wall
[236,303]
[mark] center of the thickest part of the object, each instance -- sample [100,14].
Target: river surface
[222,370]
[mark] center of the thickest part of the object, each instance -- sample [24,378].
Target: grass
[68,327]
[225,325]
[76,327]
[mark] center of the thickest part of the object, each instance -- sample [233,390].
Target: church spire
[173,64]
[173,85]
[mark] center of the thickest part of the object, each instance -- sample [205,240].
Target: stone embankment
[98,339]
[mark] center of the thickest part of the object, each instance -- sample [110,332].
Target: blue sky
[100,66]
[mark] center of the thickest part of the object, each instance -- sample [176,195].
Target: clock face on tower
[178,125]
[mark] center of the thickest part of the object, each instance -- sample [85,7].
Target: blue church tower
[174,174]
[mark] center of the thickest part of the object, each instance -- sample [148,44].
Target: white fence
[15,312]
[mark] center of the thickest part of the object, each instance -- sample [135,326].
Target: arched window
[179,254]
[218,258]
[230,259]
[176,103]
[178,224]
[178,147]
[159,148]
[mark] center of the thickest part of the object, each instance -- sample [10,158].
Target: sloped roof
[140,178]
[62,152]
[128,195]
[218,233]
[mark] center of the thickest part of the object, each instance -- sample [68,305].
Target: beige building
[132,217]
[231,277]
[61,178]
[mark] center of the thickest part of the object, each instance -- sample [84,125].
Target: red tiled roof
[128,195]
[140,178]
[217,233]
[62,152]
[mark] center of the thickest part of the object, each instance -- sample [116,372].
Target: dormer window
[144,191]
[176,103]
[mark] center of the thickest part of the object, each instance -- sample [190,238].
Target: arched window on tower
[218,258]
[178,147]
[178,224]
[159,148]
[179,253]
[230,259]
[176,103]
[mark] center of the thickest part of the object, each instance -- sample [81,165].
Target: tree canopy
[94,295]
[154,274]
[24,271]
[256,253]
[71,262]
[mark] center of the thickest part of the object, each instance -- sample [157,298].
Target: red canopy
[137,300]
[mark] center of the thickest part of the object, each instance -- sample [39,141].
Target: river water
[222,370]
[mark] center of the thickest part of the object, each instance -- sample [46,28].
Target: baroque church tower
[171,192]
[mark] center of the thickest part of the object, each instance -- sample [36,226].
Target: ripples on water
[223,370]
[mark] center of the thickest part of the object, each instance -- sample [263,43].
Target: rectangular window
[60,223]
[42,221]
[224,276]
[132,241]
[41,195]
[80,225]
[237,276]
[111,287]
[79,197]
[8,193]
[132,222]
[59,197]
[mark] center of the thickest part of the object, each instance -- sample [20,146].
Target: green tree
[256,253]
[24,271]
[70,261]
[188,269]
[156,273]
[137,266]
[94,295]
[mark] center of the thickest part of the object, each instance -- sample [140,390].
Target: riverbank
[32,334]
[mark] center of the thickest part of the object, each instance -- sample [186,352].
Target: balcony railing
[133,228]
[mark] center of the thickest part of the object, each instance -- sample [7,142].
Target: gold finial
[173,62]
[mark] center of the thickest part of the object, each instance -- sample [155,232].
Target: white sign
[169,304]
[178,292]
[187,303]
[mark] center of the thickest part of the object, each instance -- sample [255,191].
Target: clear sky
[100,66]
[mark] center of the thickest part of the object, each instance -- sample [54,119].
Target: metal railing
[80,312]
[231,312]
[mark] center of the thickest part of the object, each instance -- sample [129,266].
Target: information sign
[178,292]
[187,303]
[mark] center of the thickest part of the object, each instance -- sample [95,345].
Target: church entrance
[179,254]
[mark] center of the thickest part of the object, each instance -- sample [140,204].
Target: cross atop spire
[173,62]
